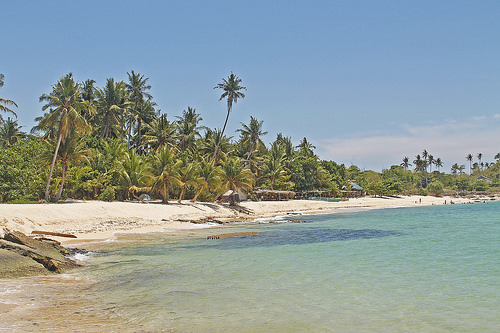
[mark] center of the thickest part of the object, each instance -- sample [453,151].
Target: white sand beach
[97,220]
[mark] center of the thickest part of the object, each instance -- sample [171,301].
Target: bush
[108,194]
[435,188]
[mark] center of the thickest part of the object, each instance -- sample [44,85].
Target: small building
[483,179]
[352,190]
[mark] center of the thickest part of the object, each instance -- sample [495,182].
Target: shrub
[108,194]
[435,188]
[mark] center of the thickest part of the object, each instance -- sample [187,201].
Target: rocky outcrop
[22,255]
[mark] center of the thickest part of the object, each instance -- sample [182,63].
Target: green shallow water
[425,269]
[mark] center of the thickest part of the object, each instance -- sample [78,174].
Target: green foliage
[108,194]
[22,173]
[435,188]
[110,143]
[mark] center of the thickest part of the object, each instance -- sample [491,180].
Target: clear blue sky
[367,82]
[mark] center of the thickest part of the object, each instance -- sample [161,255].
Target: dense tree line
[113,143]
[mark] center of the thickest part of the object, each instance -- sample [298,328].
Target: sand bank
[97,220]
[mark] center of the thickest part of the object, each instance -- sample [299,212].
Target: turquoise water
[425,269]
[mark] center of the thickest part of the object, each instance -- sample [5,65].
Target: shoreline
[101,221]
[92,221]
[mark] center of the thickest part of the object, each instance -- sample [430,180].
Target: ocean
[422,269]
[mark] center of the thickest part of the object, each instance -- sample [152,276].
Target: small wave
[81,255]
[274,219]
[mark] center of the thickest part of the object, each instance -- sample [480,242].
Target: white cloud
[449,141]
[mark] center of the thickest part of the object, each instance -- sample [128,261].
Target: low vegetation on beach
[113,143]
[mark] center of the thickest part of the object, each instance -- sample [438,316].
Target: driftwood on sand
[50,233]
[234,234]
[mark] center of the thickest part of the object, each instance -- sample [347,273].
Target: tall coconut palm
[232,91]
[145,114]
[251,136]
[306,148]
[164,171]
[112,109]
[10,132]
[430,162]
[438,163]
[4,102]
[65,115]
[480,157]
[188,128]
[469,158]
[137,88]
[88,93]
[235,176]
[406,163]
[71,150]
[160,132]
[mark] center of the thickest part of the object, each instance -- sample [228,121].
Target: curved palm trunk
[198,193]
[181,195]
[52,167]
[221,135]
[63,179]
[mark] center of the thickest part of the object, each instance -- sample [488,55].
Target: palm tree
[66,108]
[88,93]
[250,135]
[273,165]
[430,161]
[306,148]
[71,150]
[160,132]
[112,108]
[165,171]
[4,102]
[406,163]
[209,177]
[461,169]
[207,146]
[231,87]
[438,163]
[144,115]
[134,173]
[188,128]
[479,157]
[10,133]
[235,176]
[137,89]
[188,175]
[497,157]
[469,158]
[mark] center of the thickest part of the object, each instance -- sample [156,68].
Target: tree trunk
[221,135]
[164,193]
[181,195]
[197,194]
[63,179]
[52,166]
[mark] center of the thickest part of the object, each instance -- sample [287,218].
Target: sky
[366,82]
